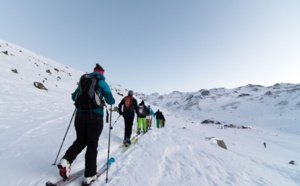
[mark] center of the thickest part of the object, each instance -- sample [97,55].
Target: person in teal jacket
[149,115]
[88,126]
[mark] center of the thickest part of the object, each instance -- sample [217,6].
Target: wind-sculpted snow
[33,123]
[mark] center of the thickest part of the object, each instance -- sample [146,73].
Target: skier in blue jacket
[88,126]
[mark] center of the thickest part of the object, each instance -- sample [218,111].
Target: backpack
[142,110]
[128,105]
[87,97]
[148,111]
[158,115]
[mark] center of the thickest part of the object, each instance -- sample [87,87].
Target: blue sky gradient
[164,45]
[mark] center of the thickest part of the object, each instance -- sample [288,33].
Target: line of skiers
[89,97]
[128,107]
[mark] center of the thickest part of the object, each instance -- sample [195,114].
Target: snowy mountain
[36,109]
[234,105]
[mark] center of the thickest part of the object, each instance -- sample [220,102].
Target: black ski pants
[128,126]
[88,128]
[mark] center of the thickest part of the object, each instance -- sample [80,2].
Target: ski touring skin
[77,174]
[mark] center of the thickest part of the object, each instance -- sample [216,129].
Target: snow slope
[33,123]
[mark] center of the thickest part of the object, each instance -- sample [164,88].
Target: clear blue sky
[164,45]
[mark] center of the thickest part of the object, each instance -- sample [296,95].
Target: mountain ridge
[280,98]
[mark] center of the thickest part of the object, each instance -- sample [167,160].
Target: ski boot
[88,180]
[64,168]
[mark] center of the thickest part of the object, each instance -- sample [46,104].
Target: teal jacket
[151,111]
[105,93]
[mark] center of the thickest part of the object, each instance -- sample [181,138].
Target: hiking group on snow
[90,97]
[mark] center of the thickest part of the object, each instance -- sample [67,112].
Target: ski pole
[108,149]
[107,115]
[64,137]
[115,122]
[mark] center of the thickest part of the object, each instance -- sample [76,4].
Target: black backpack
[87,97]
[142,110]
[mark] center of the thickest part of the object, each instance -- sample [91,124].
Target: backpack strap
[97,78]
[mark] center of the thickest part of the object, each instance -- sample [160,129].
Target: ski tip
[50,184]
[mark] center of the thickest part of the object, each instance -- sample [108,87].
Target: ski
[134,140]
[102,170]
[66,181]
[77,174]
